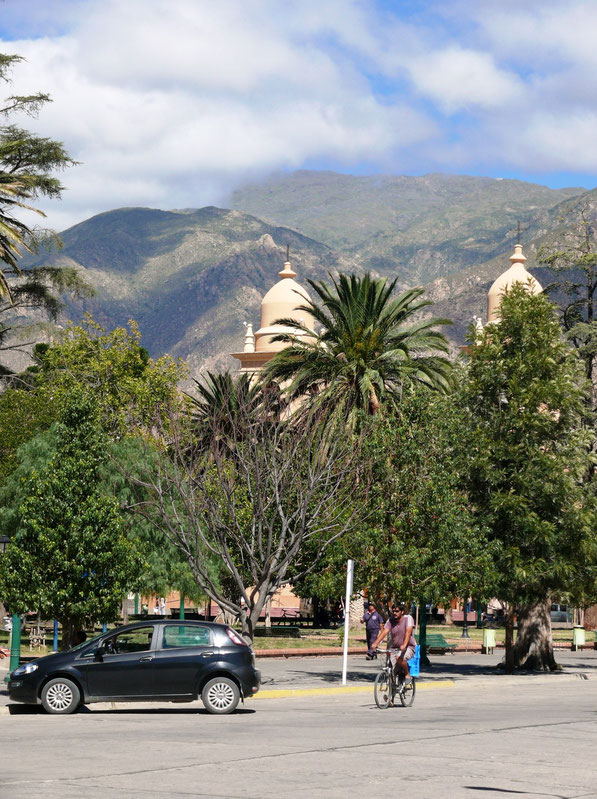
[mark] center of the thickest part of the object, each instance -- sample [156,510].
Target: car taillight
[235,637]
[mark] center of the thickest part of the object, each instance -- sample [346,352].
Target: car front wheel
[220,695]
[60,696]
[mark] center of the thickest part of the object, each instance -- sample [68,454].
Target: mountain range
[191,277]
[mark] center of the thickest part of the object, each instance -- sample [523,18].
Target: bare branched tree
[250,501]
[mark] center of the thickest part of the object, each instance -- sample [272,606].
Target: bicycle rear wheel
[383,690]
[407,693]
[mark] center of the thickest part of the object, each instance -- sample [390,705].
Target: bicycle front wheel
[383,690]
[407,693]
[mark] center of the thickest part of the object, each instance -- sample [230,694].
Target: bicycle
[387,685]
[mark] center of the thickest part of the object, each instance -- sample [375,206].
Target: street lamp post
[465,619]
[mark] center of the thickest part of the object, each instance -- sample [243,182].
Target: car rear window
[180,635]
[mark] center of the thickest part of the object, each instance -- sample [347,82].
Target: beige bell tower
[280,302]
[516,274]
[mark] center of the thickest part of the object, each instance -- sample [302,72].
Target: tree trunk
[125,610]
[268,613]
[248,622]
[68,633]
[534,648]
[509,665]
[316,616]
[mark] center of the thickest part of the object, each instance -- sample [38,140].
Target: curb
[339,690]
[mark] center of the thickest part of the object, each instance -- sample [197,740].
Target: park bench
[437,642]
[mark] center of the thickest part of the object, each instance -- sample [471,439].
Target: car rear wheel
[220,695]
[60,696]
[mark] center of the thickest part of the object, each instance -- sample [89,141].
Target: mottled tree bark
[534,648]
[268,613]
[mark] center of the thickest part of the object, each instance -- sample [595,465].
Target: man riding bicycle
[400,627]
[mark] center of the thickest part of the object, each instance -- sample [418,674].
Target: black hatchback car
[165,661]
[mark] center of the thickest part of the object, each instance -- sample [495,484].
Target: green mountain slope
[418,228]
[190,278]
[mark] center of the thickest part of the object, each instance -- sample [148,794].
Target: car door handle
[146,659]
[207,654]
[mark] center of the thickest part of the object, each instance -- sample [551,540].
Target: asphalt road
[473,738]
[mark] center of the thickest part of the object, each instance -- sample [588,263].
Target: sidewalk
[320,676]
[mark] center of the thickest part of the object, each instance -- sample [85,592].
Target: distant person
[156,607]
[400,627]
[162,606]
[373,622]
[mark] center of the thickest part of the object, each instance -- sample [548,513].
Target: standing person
[400,627]
[373,622]
[162,606]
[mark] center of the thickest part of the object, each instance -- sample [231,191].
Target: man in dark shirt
[373,622]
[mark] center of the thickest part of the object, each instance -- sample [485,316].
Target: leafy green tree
[369,346]
[164,569]
[113,365]
[423,542]
[23,414]
[524,399]
[69,557]
[419,541]
[125,383]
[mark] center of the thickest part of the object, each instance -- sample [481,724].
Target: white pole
[349,575]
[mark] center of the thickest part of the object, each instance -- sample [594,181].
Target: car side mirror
[99,654]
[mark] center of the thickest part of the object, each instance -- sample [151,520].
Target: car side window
[179,635]
[138,640]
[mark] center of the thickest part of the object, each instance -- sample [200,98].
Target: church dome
[517,273]
[281,302]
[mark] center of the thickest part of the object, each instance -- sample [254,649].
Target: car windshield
[85,643]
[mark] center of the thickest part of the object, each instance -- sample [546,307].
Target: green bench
[437,642]
[277,632]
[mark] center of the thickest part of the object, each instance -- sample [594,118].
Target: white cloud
[157,96]
[458,79]
[171,103]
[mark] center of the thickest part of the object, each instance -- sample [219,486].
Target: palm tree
[369,346]
[12,232]
[224,406]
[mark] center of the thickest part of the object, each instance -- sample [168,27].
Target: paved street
[482,735]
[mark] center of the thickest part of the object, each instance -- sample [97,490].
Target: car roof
[160,620]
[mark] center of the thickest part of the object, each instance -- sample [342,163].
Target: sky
[175,103]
